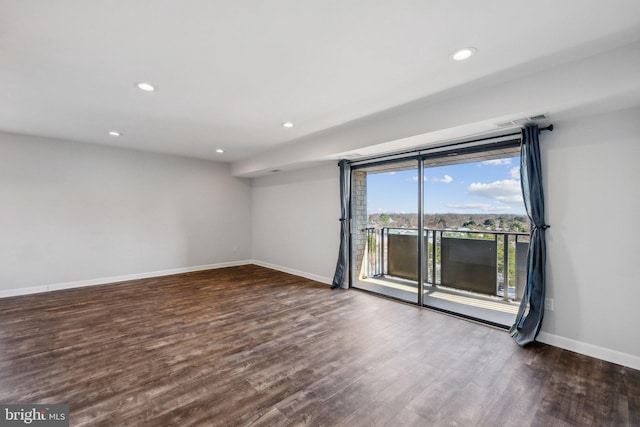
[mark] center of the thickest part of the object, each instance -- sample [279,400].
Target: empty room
[323,213]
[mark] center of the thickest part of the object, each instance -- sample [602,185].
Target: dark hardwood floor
[252,346]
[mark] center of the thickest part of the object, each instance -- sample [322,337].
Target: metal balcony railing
[481,261]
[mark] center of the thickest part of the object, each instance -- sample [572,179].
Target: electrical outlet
[548,304]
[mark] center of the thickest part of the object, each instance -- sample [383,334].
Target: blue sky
[491,186]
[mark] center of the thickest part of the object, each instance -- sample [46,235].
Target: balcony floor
[482,307]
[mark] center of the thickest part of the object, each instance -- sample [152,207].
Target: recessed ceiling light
[114,133]
[287,125]
[464,53]
[147,87]
[219,151]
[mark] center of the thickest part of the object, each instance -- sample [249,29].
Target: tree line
[453,221]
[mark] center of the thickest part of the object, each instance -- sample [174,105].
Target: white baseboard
[317,278]
[613,356]
[115,279]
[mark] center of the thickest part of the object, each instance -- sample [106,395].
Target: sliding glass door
[445,230]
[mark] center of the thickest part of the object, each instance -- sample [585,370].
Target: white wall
[295,221]
[591,178]
[75,212]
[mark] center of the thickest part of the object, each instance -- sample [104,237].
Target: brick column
[359,215]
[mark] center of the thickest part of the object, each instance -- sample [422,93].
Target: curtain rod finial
[549,128]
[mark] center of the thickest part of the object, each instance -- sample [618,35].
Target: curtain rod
[444,147]
[452,145]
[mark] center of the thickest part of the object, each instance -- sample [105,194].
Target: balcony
[476,273]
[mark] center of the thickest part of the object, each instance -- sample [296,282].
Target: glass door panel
[384,229]
[476,232]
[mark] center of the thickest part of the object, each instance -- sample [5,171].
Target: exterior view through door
[474,239]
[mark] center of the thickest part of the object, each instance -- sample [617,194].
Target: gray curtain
[529,319]
[345,199]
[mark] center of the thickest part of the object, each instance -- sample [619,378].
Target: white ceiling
[229,72]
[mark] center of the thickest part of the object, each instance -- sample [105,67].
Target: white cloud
[446,179]
[515,172]
[415,178]
[496,162]
[505,191]
[487,207]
